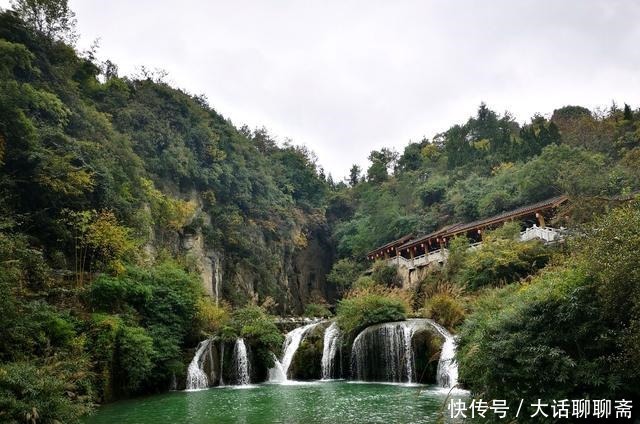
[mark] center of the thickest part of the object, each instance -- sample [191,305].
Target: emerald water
[313,403]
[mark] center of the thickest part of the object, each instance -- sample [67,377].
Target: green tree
[344,273]
[53,18]
[382,161]
[354,175]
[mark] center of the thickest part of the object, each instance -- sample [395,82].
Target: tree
[411,159]
[53,18]
[381,162]
[627,114]
[354,175]
[343,274]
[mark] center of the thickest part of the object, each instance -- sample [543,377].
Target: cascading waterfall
[222,364]
[276,373]
[329,350]
[291,343]
[241,363]
[212,368]
[407,332]
[217,275]
[383,352]
[447,373]
[196,377]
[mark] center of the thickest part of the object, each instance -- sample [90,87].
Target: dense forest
[127,203]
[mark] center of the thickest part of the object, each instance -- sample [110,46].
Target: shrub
[344,273]
[444,309]
[30,393]
[259,331]
[306,363]
[251,322]
[365,282]
[365,307]
[134,353]
[211,318]
[317,310]
[386,274]
[501,259]
[114,293]
[123,355]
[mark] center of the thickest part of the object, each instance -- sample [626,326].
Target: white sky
[345,77]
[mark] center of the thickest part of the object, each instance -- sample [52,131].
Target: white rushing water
[196,377]
[329,351]
[290,346]
[221,364]
[276,374]
[379,353]
[384,352]
[241,363]
[447,373]
[407,333]
[217,275]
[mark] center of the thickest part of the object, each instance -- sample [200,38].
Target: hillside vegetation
[115,191]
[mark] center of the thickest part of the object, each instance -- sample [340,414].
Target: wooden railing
[546,234]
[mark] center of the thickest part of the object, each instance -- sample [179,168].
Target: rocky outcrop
[292,271]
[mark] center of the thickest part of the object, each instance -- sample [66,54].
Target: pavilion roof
[391,244]
[459,228]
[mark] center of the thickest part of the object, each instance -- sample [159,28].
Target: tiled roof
[524,210]
[454,229]
[401,240]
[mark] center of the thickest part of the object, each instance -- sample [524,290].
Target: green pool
[337,402]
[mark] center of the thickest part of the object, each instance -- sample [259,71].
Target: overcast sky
[346,77]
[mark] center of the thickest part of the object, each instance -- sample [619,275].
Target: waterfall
[447,373]
[290,346]
[329,350]
[276,374]
[222,364]
[196,377]
[407,332]
[383,352]
[212,368]
[241,363]
[217,275]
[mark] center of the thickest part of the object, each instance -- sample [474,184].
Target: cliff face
[297,277]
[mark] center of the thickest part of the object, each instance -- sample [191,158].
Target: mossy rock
[427,344]
[306,364]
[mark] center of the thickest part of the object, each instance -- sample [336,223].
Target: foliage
[259,330]
[211,318]
[344,273]
[444,309]
[567,333]
[364,307]
[52,18]
[486,166]
[169,213]
[32,394]
[365,282]
[502,258]
[252,323]
[385,274]
[306,363]
[317,310]
[160,307]
[93,166]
